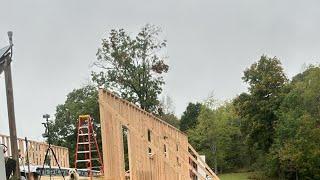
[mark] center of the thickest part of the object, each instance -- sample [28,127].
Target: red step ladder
[88,155]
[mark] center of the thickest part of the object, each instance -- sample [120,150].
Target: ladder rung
[85,134]
[83,127]
[84,160]
[83,143]
[83,152]
[95,159]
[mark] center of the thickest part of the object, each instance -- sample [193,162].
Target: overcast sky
[210,43]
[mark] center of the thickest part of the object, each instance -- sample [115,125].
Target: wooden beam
[11,116]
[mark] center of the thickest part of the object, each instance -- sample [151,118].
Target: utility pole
[10,105]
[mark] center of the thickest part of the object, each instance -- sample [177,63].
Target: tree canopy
[189,117]
[257,108]
[296,151]
[133,67]
[217,135]
[79,102]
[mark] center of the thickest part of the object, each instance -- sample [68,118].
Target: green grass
[235,176]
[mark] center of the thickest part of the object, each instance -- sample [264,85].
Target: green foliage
[257,108]
[166,112]
[171,119]
[274,127]
[189,116]
[217,135]
[296,151]
[133,67]
[79,102]
[281,120]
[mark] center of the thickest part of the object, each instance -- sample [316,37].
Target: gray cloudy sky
[210,43]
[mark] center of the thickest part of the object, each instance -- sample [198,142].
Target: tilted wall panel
[169,158]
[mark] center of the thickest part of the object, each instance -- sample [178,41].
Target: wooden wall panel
[37,151]
[174,164]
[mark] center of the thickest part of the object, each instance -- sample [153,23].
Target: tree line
[273,128]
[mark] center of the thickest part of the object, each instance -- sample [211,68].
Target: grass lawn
[234,176]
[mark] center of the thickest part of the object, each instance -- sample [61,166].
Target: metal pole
[11,116]
[28,160]
[49,142]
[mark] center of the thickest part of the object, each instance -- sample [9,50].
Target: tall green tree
[217,135]
[257,109]
[64,128]
[133,66]
[296,150]
[189,116]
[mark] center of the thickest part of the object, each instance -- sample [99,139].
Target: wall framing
[171,157]
[37,151]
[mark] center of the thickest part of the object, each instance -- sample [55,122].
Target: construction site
[159,90]
[136,145]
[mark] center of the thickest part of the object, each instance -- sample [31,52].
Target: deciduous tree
[217,135]
[79,102]
[133,67]
[257,109]
[296,150]
[189,116]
